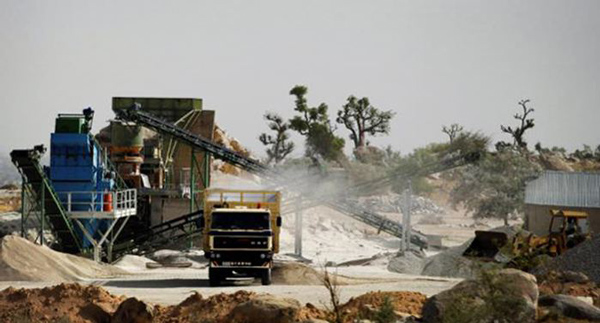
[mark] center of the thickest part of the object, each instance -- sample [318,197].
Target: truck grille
[240,243]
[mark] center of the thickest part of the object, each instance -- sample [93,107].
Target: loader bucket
[486,245]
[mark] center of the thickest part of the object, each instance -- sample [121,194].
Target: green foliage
[586,153]
[278,145]
[385,312]
[314,124]
[431,158]
[361,118]
[493,301]
[495,186]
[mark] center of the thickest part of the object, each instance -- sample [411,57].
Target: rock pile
[584,258]
[392,203]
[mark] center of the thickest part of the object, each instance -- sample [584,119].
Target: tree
[495,186]
[518,132]
[314,124]
[452,131]
[361,118]
[279,146]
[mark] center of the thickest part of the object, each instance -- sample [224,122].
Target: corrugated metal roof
[565,189]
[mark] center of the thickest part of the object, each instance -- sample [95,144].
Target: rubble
[569,306]
[364,306]
[569,283]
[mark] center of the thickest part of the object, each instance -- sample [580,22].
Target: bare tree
[279,146]
[330,282]
[525,123]
[361,118]
[452,131]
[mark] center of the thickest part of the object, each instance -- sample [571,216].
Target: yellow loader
[567,229]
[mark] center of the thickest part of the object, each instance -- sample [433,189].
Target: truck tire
[214,278]
[265,277]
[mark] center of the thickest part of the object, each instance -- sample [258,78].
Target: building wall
[537,217]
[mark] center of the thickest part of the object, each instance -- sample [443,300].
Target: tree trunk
[361,140]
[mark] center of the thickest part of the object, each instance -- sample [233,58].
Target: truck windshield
[241,220]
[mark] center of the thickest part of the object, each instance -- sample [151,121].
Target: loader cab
[567,230]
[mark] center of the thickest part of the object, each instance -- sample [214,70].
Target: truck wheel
[214,279]
[265,277]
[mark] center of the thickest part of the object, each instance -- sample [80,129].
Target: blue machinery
[76,196]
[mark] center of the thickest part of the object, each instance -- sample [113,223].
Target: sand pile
[62,303]
[365,305]
[293,273]
[22,260]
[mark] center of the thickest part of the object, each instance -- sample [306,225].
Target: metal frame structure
[122,207]
[31,205]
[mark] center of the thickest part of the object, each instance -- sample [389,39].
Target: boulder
[574,277]
[507,293]
[133,310]
[266,308]
[570,306]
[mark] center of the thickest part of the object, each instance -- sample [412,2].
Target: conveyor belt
[27,162]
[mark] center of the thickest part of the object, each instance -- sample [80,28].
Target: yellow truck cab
[241,233]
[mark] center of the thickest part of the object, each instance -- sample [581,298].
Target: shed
[561,190]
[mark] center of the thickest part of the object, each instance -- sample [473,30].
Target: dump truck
[241,233]
[567,229]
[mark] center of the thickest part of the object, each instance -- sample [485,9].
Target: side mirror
[278,221]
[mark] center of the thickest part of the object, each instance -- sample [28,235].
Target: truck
[241,233]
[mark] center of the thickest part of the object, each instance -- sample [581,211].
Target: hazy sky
[433,62]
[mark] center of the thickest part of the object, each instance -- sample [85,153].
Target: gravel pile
[391,203]
[584,258]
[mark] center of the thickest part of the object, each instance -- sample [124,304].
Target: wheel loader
[567,229]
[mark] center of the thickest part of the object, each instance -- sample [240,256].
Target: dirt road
[171,286]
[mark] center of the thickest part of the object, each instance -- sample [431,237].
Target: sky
[432,62]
